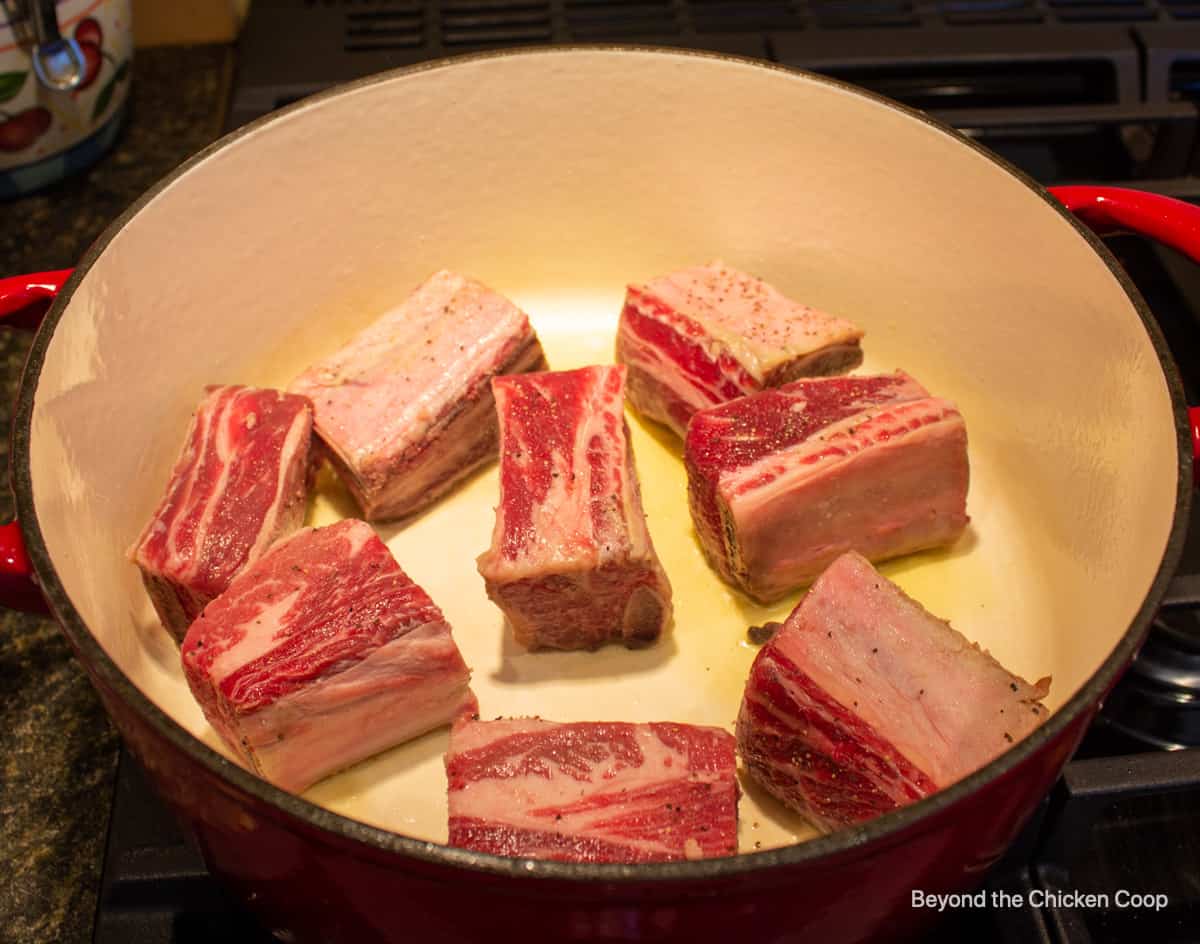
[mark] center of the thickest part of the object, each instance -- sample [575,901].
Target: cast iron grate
[582,18]
[438,27]
[564,20]
[1082,77]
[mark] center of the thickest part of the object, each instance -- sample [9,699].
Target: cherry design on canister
[90,37]
[19,131]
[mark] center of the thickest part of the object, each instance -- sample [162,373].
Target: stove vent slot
[1100,11]
[396,26]
[718,16]
[981,12]
[600,20]
[987,84]
[498,22]
[869,13]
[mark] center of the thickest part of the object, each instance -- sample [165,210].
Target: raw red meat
[321,654]
[592,791]
[571,562]
[240,483]
[864,702]
[705,335]
[405,408]
[782,482]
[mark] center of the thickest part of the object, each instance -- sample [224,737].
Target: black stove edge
[155,886]
[1089,785]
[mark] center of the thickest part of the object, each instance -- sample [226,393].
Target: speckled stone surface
[57,747]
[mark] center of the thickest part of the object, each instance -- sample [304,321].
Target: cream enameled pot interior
[557,177]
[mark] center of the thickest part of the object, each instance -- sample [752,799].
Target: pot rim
[889,826]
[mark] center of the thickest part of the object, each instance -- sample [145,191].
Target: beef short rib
[864,702]
[782,482]
[592,791]
[322,654]
[240,483]
[704,335]
[405,408]
[571,562]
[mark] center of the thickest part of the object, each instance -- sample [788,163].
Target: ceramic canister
[46,134]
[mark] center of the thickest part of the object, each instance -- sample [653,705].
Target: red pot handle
[23,303]
[1110,210]
[1194,422]
[25,298]
[1169,221]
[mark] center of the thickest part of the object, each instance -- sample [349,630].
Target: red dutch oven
[558,176]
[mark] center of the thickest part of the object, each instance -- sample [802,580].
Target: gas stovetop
[1069,90]
[1066,89]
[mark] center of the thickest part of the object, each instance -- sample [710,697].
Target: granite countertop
[59,750]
